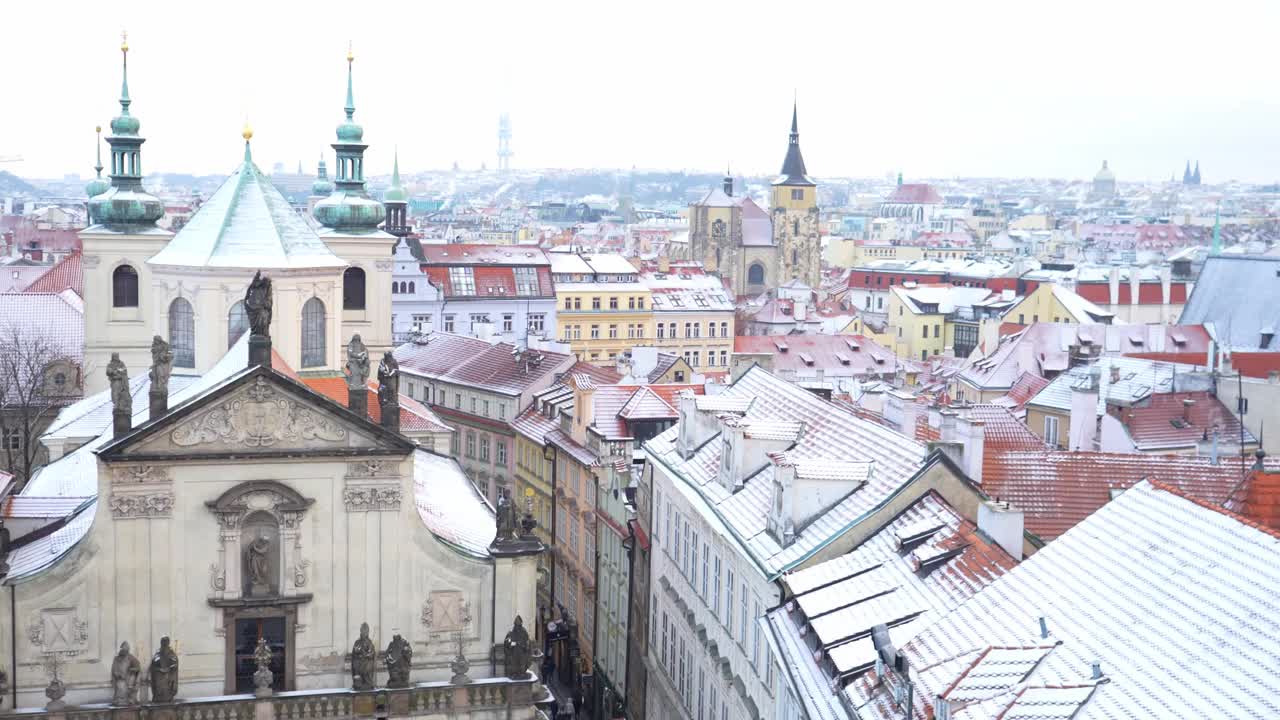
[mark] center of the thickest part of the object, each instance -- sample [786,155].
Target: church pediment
[258,414]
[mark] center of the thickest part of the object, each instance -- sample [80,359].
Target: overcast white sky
[978,88]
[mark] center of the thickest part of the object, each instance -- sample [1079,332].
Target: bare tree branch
[37,379]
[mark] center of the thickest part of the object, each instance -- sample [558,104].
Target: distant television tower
[504,143]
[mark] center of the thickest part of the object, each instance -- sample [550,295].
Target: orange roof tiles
[1169,423]
[1024,388]
[414,416]
[67,273]
[1056,490]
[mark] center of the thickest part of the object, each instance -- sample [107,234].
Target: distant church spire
[98,184]
[1195,174]
[1186,174]
[793,170]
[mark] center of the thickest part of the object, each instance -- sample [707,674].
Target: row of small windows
[404,288]
[633,303]
[182,331]
[124,288]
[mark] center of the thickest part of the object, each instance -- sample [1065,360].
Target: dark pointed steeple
[1195,174]
[1186,174]
[793,171]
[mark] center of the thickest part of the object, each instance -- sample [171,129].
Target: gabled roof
[461,360]
[247,224]
[1024,388]
[1135,379]
[1258,498]
[830,433]
[1057,489]
[1172,598]
[66,274]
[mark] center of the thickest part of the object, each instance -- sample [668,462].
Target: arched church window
[124,287]
[182,333]
[313,345]
[237,322]
[755,274]
[718,229]
[353,289]
[412,287]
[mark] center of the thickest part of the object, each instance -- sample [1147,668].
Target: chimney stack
[1003,524]
[1187,404]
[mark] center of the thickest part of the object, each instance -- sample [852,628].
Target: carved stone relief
[59,630]
[140,474]
[372,497]
[140,505]
[446,611]
[260,417]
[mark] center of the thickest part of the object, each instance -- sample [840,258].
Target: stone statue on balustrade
[364,668]
[399,659]
[516,651]
[257,305]
[125,671]
[164,673]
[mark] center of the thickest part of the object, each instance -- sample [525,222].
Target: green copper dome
[396,192]
[126,202]
[348,208]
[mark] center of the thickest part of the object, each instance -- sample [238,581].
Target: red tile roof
[67,273]
[1058,489]
[414,416]
[599,375]
[469,361]
[915,194]
[1166,423]
[827,352]
[1024,388]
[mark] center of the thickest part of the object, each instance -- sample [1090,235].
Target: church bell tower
[794,210]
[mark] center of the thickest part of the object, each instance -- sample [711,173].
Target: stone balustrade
[487,699]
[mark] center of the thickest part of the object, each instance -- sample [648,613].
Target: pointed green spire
[1216,248]
[396,192]
[98,148]
[124,83]
[98,184]
[124,124]
[351,103]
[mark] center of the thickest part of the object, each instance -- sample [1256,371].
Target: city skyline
[434,82]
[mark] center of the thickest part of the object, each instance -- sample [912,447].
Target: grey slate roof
[1240,295]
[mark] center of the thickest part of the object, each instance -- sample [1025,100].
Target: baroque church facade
[238,519]
[753,250]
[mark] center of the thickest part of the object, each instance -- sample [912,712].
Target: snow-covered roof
[830,433]
[1173,598]
[450,505]
[247,224]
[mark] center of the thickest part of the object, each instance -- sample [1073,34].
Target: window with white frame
[742,627]
[706,562]
[728,601]
[715,595]
[1051,430]
[537,322]
[693,564]
[421,323]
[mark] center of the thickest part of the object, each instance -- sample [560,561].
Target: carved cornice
[132,506]
[140,475]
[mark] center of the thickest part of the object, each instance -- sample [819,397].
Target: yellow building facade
[603,308]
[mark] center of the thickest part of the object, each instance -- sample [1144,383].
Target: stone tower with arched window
[794,211]
[120,305]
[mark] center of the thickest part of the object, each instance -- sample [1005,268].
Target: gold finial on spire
[124,41]
[97,129]
[247,132]
[350,54]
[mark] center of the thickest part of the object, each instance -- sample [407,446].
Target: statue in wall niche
[363,665]
[516,651]
[398,658]
[118,378]
[258,565]
[257,304]
[388,380]
[164,673]
[357,363]
[161,365]
[125,670]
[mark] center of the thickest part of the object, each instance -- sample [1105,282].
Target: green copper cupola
[126,202]
[349,207]
[322,186]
